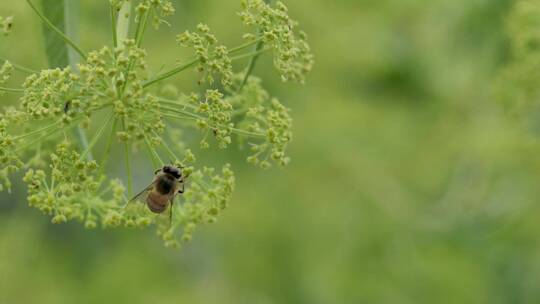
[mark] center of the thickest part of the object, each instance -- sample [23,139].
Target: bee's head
[176,172]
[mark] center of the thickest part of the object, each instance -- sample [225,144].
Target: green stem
[156,160]
[183,112]
[97,136]
[255,54]
[113,15]
[191,63]
[247,133]
[84,141]
[47,135]
[167,148]
[177,103]
[169,115]
[127,163]
[20,67]
[170,73]
[141,25]
[56,30]
[11,90]
[245,45]
[253,60]
[234,130]
[32,133]
[251,65]
[107,151]
[141,28]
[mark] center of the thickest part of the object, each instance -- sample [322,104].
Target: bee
[168,182]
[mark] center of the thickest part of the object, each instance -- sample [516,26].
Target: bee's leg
[156,172]
[170,213]
[181,190]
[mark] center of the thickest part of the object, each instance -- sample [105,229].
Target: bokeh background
[410,182]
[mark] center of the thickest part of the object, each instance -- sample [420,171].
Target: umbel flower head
[110,97]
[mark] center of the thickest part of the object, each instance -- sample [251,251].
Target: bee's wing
[142,193]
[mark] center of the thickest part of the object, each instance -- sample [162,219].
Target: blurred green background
[409,183]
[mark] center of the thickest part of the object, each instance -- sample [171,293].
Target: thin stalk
[84,141]
[170,73]
[141,28]
[137,30]
[234,130]
[252,62]
[191,63]
[53,181]
[141,25]
[56,30]
[179,111]
[167,148]
[245,45]
[47,135]
[113,15]
[32,133]
[255,54]
[156,160]
[20,67]
[177,117]
[107,151]
[96,137]
[177,103]
[247,133]
[128,163]
[11,90]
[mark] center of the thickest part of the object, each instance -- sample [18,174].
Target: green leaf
[61,13]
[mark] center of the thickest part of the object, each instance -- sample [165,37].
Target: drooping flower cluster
[293,57]
[109,96]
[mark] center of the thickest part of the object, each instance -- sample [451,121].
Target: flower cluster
[206,196]
[74,190]
[212,59]
[293,57]
[46,94]
[267,116]
[68,191]
[9,160]
[6,23]
[143,8]
[108,78]
[5,72]
[217,117]
[122,72]
[109,96]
